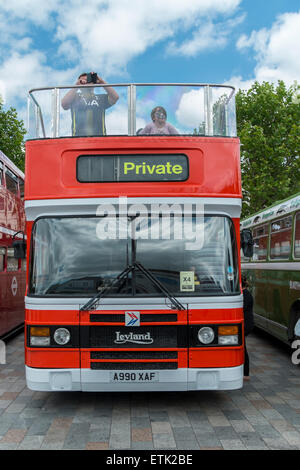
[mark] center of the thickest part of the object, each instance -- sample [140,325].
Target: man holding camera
[87,108]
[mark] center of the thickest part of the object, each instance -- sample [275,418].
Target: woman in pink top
[159,126]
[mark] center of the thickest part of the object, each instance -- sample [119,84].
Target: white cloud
[30,10]
[111,33]
[2,91]
[104,35]
[238,82]
[11,31]
[207,36]
[23,72]
[68,49]
[276,51]
[117,121]
[115,32]
[190,112]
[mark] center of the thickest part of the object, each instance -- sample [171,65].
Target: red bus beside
[12,270]
[133,244]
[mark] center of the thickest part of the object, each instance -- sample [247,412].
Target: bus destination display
[131,168]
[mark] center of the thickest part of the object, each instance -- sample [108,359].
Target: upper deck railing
[192,109]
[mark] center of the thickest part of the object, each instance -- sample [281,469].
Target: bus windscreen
[71,256]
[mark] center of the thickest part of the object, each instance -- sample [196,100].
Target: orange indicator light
[228,330]
[39,331]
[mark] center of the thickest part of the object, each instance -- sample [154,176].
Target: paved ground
[265,414]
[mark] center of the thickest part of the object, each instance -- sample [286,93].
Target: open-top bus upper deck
[202,159]
[193,109]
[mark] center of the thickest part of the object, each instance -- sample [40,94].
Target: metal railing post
[131,109]
[55,112]
[227,130]
[37,121]
[208,111]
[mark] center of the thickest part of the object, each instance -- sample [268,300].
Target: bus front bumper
[229,378]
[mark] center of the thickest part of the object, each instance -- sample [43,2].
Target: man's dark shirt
[88,114]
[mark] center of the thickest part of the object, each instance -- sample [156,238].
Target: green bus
[273,271]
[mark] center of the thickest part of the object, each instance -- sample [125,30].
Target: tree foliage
[12,133]
[268,124]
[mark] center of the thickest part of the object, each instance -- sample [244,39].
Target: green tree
[200,130]
[268,124]
[12,133]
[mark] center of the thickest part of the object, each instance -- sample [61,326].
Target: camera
[91,77]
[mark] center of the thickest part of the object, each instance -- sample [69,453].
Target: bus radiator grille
[143,337]
[133,365]
[130,355]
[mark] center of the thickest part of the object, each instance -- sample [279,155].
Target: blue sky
[213,41]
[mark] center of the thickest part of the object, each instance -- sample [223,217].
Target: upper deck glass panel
[141,109]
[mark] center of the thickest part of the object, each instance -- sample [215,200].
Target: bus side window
[281,237]
[297,236]
[260,243]
[2,256]
[23,264]
[12,262]
[1,174]
[244,258]
[11,182]
[21,187]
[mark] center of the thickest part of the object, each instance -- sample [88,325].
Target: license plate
[134,376]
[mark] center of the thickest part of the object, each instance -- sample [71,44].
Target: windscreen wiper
[90,304]
[175,303]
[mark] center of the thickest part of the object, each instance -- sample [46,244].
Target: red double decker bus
[12,227]
[133,242]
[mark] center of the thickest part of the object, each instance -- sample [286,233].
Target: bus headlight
[206,335]
[39,341]
[39,336]
[229,340]
[228,335]
[62,336]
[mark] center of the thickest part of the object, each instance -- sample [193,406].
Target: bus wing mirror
[19,246]
[247,243]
